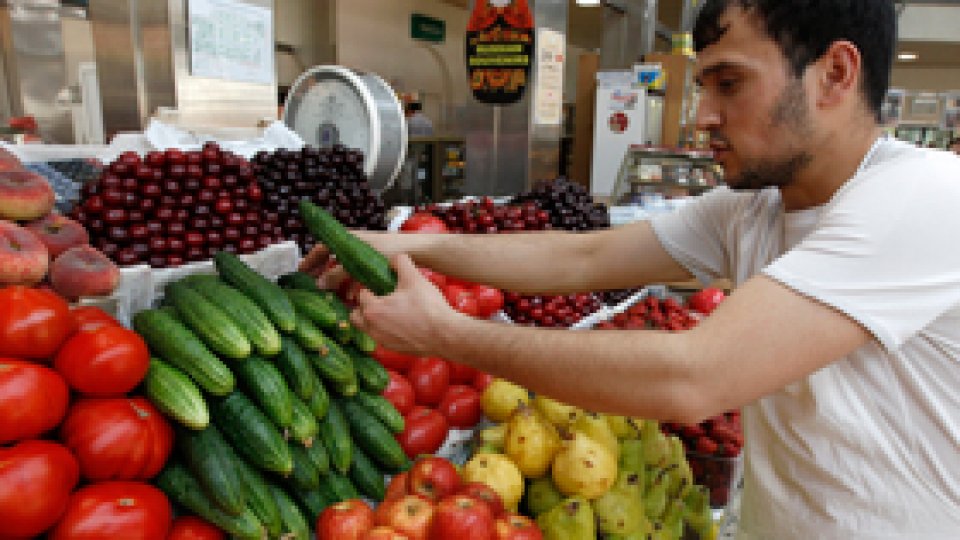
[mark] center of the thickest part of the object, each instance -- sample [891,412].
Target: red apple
[462,517]
[24,196]
[514,527]
[23,257]
[484,493]
[410,515]
[83,271]
[59,233]
[9,163]
[434,478]
[347,520]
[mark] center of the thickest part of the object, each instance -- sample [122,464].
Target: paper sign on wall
[231,40]
[548,106]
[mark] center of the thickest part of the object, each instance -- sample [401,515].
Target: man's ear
[838,75]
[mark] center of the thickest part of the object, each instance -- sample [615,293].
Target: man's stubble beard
[790,114]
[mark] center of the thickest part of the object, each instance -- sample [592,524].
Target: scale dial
[330,105]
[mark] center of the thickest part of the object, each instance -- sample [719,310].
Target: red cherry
[224,206]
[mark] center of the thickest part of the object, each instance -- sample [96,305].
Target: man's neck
[836,159]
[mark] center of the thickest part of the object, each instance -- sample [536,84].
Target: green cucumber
[371,375]
[303,427]
[265,293]
[312,501]
[304,475]
[251,433]
[382,410]
[211,460]
[373,437]
[182,488]
[308,335]
[259,498]
[209,322]
[336,366]
[299,280]
[335,435]
[295,525]
[293,363]
[171,391]
[319,402]
[366,477]
[313,306]
[341,486]
[244,312]
[363,342]
[173,342]
[359,259]
[317,453]
[263,382]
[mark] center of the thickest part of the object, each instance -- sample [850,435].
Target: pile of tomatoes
[430,502]
[434,395]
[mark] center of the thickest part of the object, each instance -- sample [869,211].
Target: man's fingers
[315,261]
[332,278]
[406,270]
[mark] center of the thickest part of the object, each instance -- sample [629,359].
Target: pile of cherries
[559,311]
[173,207]
[331,178]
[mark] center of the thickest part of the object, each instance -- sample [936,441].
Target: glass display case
[651,173]
[433,171]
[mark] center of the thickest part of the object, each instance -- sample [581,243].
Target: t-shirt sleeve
[884,252]
[694,234]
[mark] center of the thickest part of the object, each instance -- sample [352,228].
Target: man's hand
[411,318]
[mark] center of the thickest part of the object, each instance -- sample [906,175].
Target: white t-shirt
[869,446]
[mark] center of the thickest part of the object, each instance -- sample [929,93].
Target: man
[418,124]
[841,341]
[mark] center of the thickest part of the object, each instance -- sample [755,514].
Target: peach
[58,233]
[24,196]
[23,257]
[83,271]
[9,162]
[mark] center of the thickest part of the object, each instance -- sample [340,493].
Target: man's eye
[727,85]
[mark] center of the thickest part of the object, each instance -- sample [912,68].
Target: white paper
[231,40]
[277,135]
[548,102]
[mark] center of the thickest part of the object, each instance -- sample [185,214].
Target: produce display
[581,474]
[173,207]
[331,178]
[550,311]
[80,462]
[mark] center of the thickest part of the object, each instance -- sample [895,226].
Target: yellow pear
[501,398]
[500,473]
[557,413]
[584,467]
[531,442]
[596,427]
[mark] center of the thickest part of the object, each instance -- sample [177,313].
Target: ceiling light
[907,56]
[588,2]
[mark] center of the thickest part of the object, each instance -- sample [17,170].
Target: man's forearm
[638,373]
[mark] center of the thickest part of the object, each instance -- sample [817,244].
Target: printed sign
[500,47]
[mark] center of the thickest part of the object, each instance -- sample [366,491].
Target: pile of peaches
[38,246]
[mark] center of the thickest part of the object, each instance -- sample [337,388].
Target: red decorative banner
[500,50]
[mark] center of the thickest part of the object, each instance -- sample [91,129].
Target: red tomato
[392,359]
[33,323]
[424,222]
[347,520]
[423,433]
[194,528]
[33,400]
[128,510]
[434,478]
[463,518]
[90,317]
[399,392]
[514,527]
[489,300]
[383,533]
[410,515]
[429,378]
[461,373]
[103,362]
[36,478]
[439,280]
[486,494]
[705,300]
[398,486]
[461,406]
[461,299]
[482,381]
[117,438]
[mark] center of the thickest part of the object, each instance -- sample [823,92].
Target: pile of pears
[592,475]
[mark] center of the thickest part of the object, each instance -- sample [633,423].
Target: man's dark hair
[805,29]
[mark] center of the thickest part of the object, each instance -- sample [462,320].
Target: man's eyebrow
[714,68]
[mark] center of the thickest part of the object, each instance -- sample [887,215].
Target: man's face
[756,111]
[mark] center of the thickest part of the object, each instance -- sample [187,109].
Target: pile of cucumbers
[276,398]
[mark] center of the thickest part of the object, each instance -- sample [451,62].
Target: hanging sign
[500,47]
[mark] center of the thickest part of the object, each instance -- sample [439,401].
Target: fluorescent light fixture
[907,56]
[586,3]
